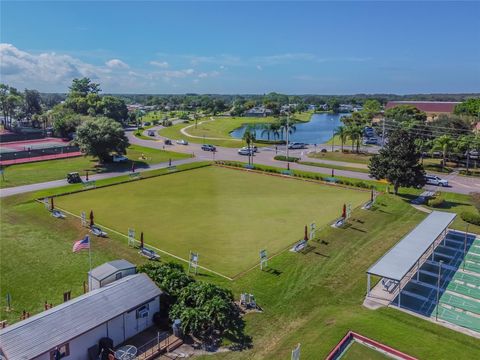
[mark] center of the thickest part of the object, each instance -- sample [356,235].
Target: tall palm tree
[249,137]
[342,133]
[444,142]
[355,133]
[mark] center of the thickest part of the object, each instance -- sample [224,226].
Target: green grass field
[313,298]
[225,215]
[220,129]
[344,157]
[357,351]
[30,173]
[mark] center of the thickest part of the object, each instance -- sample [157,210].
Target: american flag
[82,244]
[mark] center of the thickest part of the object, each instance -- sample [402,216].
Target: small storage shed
[109,272]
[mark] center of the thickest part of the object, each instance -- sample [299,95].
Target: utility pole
[383,133]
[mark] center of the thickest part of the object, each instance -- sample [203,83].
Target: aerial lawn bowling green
[225,215]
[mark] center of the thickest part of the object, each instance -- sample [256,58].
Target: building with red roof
[430,107]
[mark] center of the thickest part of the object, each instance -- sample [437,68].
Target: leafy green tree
[113,108]
[371,108]
[82,87]
[169,277]
[100,137]
[342,133]
[398,162]
[249,138]
[64,125]
[469,107]
[403,113]
[207,311]
[32,103]
[333,105]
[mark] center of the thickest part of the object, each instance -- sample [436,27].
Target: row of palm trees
[353,132]
[277,129]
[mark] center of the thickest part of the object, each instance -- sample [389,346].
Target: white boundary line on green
[153,247]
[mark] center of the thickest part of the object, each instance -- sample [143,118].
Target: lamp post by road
[465,248]
[438,288]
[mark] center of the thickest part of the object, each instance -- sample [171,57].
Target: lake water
[317,131]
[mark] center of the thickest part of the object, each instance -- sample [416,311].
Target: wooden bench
[150,254]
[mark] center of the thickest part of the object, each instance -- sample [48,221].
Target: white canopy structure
[408,253]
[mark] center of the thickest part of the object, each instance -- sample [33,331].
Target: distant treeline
[197,99]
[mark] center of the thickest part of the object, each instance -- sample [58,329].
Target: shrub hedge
[470,217]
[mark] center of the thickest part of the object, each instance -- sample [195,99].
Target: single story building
[117,311]
[259,111]
[432,108]
[109,272]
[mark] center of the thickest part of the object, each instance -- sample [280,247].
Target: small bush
[470,217]
[436,202]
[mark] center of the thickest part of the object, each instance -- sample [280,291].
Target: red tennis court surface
[25,151]
[40,158]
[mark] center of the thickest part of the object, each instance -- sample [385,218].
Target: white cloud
[180,74]
[116,64]
[259,67]
[160,64]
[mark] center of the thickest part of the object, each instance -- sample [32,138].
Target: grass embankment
[220,129]
[313,298]
[316,297]
[41,171]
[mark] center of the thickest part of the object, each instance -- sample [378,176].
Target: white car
[182,142]
[119,158]
[246,151]
[435,180]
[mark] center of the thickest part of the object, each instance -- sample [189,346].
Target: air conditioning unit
[143,313]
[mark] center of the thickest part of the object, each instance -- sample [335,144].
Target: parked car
[168,142]
[182,142]
[119,158]
[297,145]
[435,180]
[246,151]
[151,132]
[146,124]
[474,154]
[370,141]
[207,147]
[73,178]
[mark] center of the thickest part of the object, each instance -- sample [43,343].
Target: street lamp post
[465,248]
[438,287]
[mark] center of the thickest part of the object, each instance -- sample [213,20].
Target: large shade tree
[398,161]
[100,137]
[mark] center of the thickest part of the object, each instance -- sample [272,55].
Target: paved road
[459,184]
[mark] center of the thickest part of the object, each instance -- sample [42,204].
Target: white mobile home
[117,311]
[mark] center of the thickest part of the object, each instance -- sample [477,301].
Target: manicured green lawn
[313,298]
[220,129]
[357,351]
[339,156]
[30,173]
[226,215]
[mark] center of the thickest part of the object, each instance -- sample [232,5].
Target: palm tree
[444,142]
[355,133]
[342,133]
[249,137]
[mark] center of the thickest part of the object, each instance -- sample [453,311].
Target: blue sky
[243,47]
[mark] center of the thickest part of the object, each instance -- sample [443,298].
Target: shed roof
[41,333]
[398,261]
[103,271]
